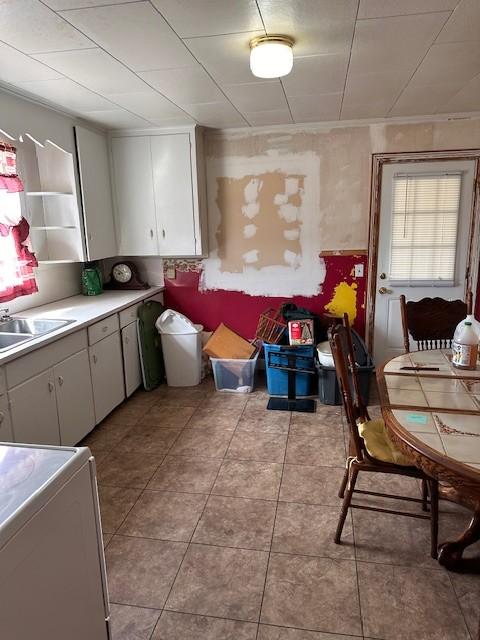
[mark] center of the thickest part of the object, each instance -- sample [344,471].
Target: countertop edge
[42,341]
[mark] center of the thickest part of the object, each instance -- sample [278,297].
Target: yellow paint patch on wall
[344,301]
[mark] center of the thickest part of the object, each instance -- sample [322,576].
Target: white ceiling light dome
[271,56]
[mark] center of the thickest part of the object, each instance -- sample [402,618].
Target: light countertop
[83,310]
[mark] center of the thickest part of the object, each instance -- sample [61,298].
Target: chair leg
[424,495]
[341,491]
[433,488]
[346,503]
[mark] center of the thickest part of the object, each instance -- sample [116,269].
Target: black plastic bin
[328,389]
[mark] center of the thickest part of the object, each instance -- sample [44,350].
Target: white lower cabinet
[33,408]
[6,433]
[73,387]
[106,367]
[131,358]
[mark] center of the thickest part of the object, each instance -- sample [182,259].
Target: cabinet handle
[94,358]
[105,328]
[151,233]
[127,340]
[60,380]
[51,387]
[2,417]
[163,233]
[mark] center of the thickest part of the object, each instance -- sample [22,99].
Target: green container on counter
[91,279]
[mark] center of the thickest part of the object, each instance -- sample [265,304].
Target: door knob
[384,290]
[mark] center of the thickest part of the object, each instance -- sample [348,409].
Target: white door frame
[378,162]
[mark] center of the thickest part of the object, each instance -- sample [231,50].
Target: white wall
[19,116]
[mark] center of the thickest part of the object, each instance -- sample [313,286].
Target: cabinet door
[134,199]
[95,185]
[6,433]
[34,410]
[131,358]
[107,375]
[172,180]
[73,386]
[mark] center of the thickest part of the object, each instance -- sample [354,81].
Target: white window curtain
[425,212]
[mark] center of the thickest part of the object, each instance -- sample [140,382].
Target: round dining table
[432,412]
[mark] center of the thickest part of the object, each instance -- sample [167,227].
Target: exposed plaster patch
[249,230]
[292,258]
[291,234]
[251,256]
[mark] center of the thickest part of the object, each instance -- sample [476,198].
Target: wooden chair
[360,459]
[432,321]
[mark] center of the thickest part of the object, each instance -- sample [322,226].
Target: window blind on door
[425,212]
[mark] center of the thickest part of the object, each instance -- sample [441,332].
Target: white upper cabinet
[134,200]
[96,193]
[159,189]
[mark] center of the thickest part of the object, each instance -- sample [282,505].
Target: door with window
[424,238]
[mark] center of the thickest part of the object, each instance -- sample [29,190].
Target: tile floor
[218,519]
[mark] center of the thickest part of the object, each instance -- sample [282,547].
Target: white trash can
[182,349]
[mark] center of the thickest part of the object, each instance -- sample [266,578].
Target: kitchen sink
[32,326]
[15,331]
[7,341]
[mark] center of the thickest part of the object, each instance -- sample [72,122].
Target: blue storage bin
[277,379]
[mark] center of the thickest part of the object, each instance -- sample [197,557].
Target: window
[425,212]
[16,260]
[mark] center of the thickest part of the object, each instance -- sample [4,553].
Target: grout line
[273,528]
[349,60]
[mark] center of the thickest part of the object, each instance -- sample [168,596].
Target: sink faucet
[4,314]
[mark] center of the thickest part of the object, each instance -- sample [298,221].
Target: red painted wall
[240,311]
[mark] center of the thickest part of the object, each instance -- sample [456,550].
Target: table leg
[450,553]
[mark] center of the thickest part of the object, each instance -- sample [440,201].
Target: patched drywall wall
[264,225]
[248,237]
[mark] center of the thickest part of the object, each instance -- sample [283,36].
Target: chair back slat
[431,322]
[343,356]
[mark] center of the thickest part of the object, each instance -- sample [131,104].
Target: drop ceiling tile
[260,118]
[257,96]
[317,74]
[318,26]
[424,100]
[94,69]
[384,8]
[66,93]
[467,99]
[30,26]
[216,114]
[190,85]
[146,104]
[134,33]
[227,58]
[177,121]
[58,5]
[18,67]
[379,87]
[315,108]
[457,60]
[369,109]
[210,17]
[384,44]
[463,24]
[116,119]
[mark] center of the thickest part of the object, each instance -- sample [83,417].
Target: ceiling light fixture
[271,56]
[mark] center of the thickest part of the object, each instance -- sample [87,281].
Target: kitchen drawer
[44,358]
[3,382]
[102,329]
[127,316]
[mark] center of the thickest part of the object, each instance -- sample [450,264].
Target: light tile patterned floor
[219,517]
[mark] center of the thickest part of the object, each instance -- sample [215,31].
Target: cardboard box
[225,343]
[300,332]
